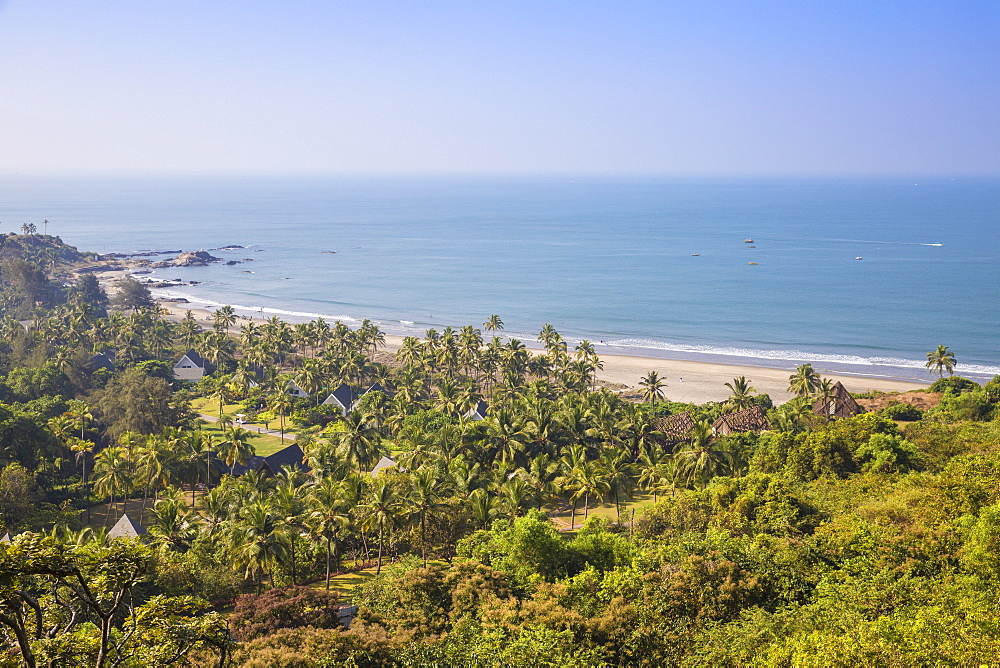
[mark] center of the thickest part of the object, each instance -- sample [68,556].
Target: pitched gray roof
[290,457]
[478,412]
[126,528]
[195,358]
[384,463]
[344,396]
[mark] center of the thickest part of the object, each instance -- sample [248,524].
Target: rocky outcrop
[191,259]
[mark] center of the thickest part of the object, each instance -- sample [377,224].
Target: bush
[255,616]
[902,412]
[955,384]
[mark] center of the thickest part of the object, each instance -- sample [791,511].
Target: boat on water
[695,254]
[748,240]
[751,263]
[859,258]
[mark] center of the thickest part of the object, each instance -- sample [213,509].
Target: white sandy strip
[694,382]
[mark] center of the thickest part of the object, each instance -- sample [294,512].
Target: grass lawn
[639,502]
[263,444]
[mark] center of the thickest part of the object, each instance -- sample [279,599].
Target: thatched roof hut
[749,419]
[675,428]
[840,404]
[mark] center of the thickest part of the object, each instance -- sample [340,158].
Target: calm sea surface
[654,267]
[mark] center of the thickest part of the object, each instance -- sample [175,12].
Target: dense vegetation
[563,529]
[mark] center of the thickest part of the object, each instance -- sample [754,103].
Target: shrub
[955,384]
[283,608]
[902,412]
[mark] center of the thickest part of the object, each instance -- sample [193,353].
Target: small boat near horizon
[859,258]
[748,240]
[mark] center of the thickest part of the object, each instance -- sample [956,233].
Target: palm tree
[360,441]
[742,393]
[483,506]
[426,490]
[219,391]
[328,517]
[235,447]
[256,541]
[618,474]
[382,510]
[652,387]
[113,475]
[493,324]
[941,359]
[702,457]
[804,381]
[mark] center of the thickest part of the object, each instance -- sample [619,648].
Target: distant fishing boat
[859,258]
[695,254]
[748,240]
[751,246]
[751,263]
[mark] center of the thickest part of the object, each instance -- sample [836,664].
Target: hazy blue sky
[692,87]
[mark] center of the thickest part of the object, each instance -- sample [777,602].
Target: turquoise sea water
[654,267]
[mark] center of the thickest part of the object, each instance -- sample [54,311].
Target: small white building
[478,411]
[343,397]
[296,391]
[191,366]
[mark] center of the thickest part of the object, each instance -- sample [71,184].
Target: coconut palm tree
[941,359]
[804,381]
[328,517]
[423,497]
[742,393]
[652,387]
[493,324]
[382,510]
[619,475]
[702,457]
[235,447]
[113,475]
[256,541]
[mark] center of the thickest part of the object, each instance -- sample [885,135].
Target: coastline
[686,381]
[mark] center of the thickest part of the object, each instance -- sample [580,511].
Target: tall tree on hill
[941,359]
[132,295]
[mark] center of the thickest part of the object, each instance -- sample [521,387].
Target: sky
[618,87]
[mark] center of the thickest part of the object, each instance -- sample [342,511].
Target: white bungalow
[344,397]
[384,463]
[478,411]
[191,366]
[296,391]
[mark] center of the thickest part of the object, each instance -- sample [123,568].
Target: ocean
[854,275]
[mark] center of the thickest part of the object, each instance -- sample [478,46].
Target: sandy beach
[687,381]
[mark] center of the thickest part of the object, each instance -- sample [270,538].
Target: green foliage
[887,453]
[156,369]
[33,383]
[955,384]
[527,549]
[974,405]
[136,402]
[132,295]
[902,412]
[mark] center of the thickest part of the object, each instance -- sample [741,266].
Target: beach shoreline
[686,381]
